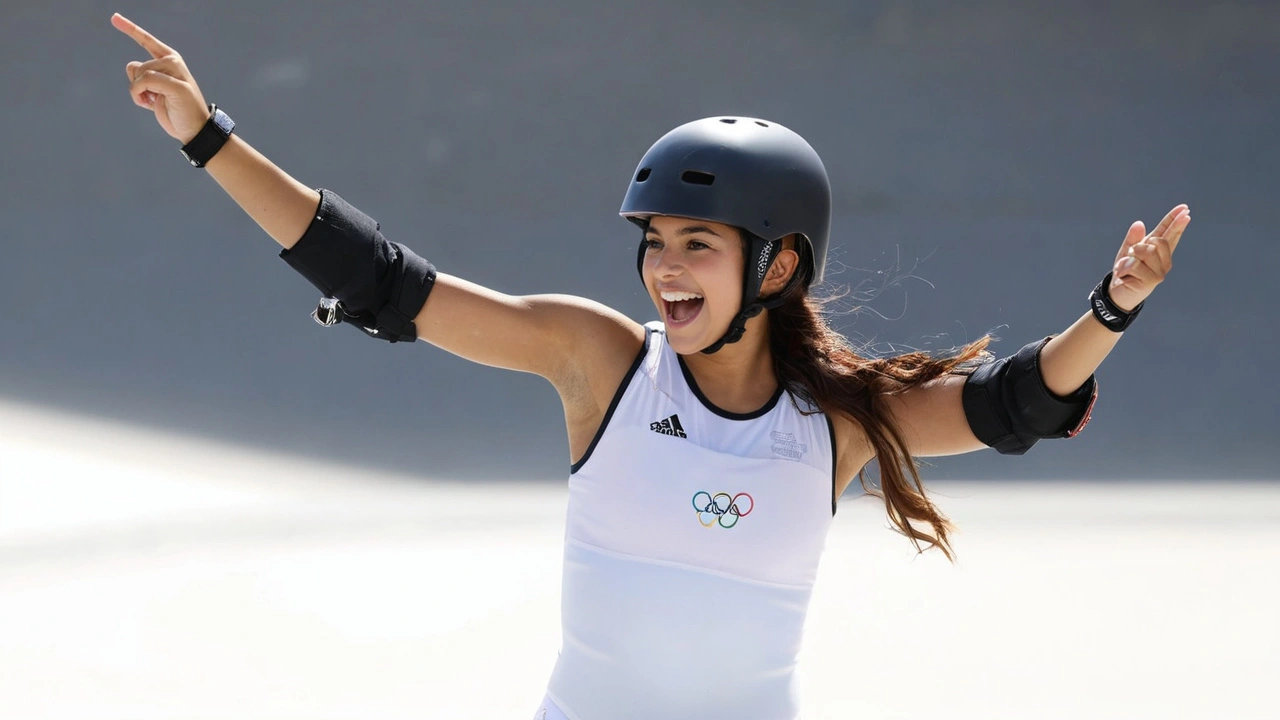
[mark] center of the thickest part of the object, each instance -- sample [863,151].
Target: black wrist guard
[215,133]
[376,285]
[1009,407]
[1111,317]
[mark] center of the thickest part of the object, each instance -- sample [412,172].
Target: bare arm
[559,337]
[1141,264]
[932,416]
[568,340]
[281,205]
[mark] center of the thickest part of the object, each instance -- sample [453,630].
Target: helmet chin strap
[762,253]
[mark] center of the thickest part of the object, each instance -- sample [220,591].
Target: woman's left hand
[1144,259]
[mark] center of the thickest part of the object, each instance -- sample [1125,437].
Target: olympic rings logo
[722,508]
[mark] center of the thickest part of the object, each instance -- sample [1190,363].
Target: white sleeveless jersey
[691,545]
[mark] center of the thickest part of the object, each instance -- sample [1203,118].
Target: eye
[698,245]
[651,244]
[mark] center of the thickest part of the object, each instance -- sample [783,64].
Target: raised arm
[568,340]
[1047,388]
[281,205]
[1143,261]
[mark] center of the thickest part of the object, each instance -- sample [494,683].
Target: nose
[664,263]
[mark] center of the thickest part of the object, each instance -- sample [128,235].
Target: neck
[739,376]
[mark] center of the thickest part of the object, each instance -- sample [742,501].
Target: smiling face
[693,272]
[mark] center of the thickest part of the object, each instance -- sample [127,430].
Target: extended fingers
[1169,217]
[1143,262]
[1145,265]
[140,36]
[1169,230]
[1176,229]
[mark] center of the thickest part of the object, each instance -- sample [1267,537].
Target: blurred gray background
[986,158]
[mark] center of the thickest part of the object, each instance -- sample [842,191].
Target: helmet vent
[762,124]
[696,177]
[728,121]
[643,174]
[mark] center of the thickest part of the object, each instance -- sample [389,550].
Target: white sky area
[144,575]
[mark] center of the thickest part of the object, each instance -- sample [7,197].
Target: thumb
[1137,231]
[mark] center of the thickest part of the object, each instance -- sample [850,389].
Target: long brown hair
[817,364]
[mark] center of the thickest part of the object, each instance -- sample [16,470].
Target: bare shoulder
[582,347]
[600,347]
[560,337]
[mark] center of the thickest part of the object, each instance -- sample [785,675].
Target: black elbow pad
[1009,407]
[367,281]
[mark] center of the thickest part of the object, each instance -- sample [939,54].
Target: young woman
[708,447]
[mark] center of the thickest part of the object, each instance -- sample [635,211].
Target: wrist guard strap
[1009,407]
[212,136]
[376,285]
[1111,317]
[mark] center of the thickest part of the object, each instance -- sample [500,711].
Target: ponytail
[816,364]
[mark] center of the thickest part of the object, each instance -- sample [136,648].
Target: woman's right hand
[164,85]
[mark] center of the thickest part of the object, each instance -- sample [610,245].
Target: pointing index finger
[142,37]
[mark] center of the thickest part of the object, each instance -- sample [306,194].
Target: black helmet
[753,174]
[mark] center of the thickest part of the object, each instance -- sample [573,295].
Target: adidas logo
[670,426]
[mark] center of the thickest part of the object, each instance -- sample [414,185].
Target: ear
[780,272]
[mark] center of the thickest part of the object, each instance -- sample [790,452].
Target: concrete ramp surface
[145,575]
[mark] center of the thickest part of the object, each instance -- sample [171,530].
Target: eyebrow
[687,230]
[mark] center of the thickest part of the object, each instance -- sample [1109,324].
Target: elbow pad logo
[721,508]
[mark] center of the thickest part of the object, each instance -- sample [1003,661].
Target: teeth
[678,295]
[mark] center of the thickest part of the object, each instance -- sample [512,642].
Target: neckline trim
[697,391]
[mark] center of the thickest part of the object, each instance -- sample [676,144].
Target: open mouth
[681,307]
